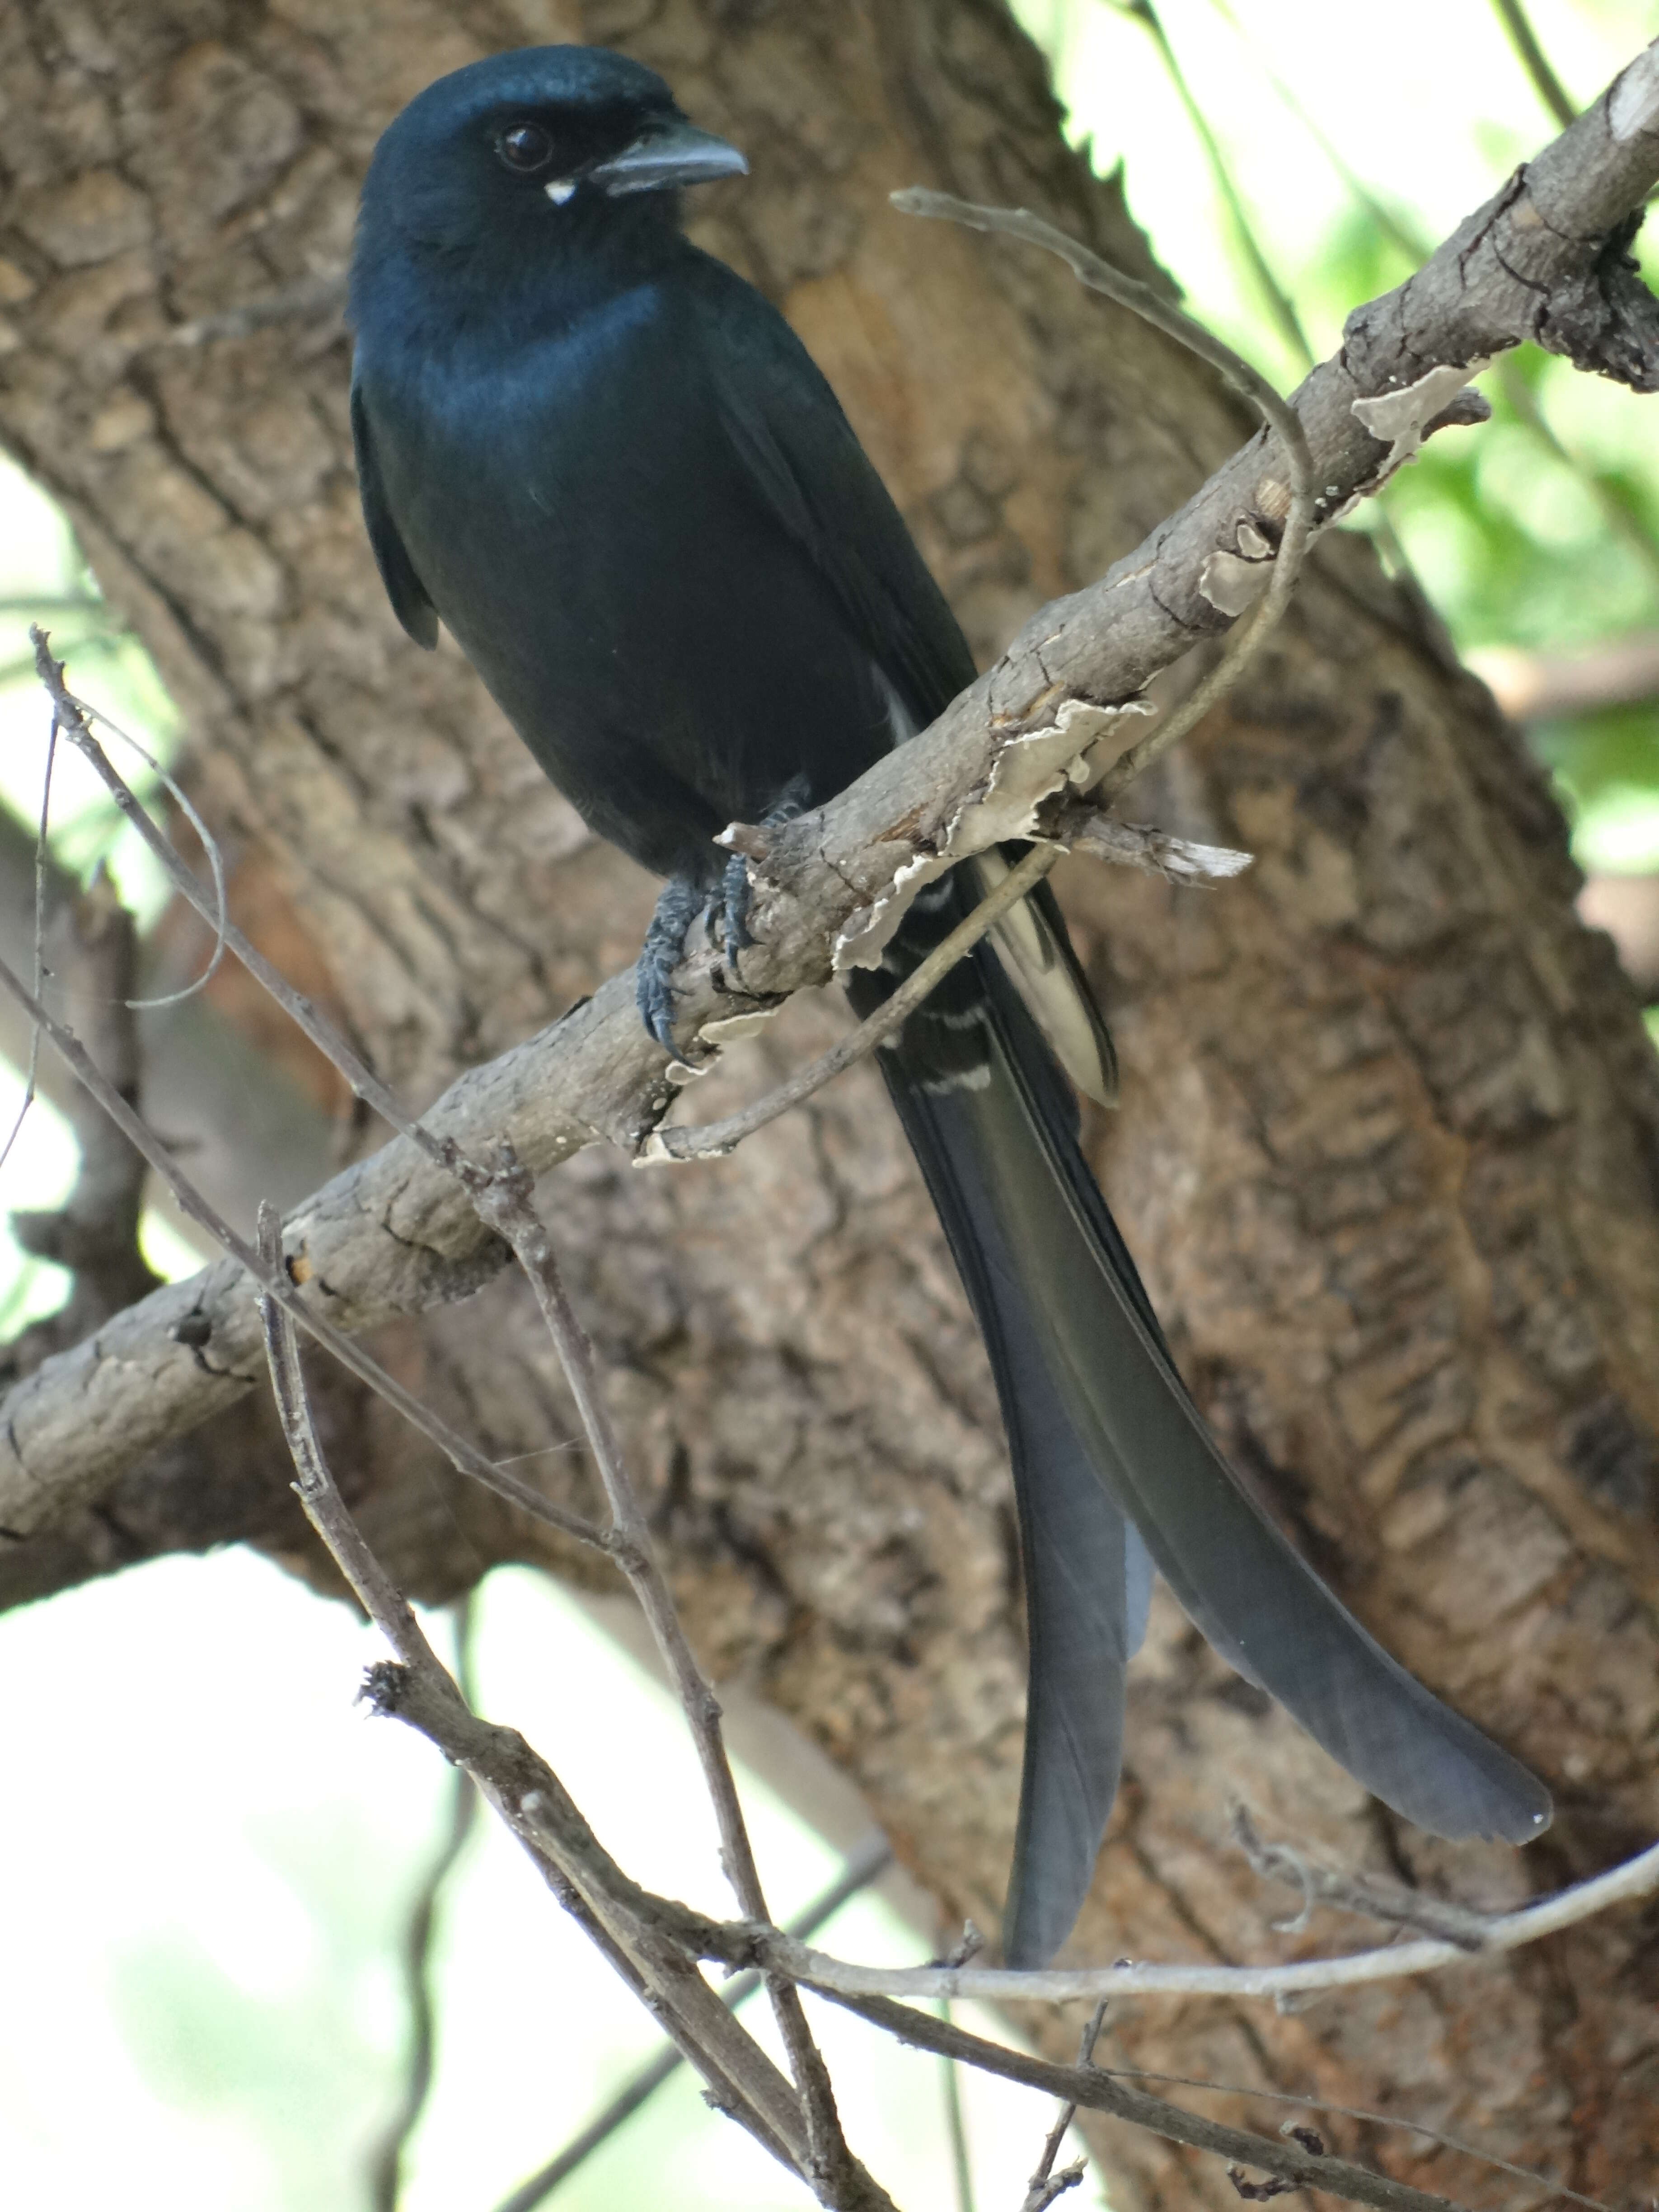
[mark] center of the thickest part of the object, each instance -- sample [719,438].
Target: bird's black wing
[803,460]
[804,463]
[410,602]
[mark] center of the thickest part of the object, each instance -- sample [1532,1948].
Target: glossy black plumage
[609,467]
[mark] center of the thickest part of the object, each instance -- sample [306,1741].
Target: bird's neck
[509,287]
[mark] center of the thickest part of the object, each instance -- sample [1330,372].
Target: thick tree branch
[1545,259]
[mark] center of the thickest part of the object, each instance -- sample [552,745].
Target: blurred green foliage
[300,2071]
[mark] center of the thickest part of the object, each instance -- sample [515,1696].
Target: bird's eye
[526,148]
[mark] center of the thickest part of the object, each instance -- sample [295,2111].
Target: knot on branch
[1603,319]
[386,1688]
[1258,2193]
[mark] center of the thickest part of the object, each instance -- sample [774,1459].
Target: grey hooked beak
[675,153]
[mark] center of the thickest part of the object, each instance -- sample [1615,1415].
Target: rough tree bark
[1389,1151]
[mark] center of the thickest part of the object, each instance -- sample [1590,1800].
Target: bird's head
[526,152]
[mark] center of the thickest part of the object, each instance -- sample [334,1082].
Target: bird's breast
[578,514]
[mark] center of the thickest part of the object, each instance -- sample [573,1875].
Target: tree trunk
[1389,1147]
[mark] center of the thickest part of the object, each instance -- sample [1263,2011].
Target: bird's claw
[661,954]
[655,999]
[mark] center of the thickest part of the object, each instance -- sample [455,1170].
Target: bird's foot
[663,950]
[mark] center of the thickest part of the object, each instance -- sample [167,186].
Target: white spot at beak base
[561,190]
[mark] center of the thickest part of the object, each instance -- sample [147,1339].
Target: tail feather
[1106,1442]
[1079,1553]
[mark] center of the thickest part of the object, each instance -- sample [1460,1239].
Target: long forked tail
[1112,1462]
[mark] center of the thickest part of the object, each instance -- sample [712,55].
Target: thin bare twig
[1357,1893]
[1127,292]
[956,2127]
[274,1283]
[1082,827]
[72,714]
[1045,2184]
[1279,567]
[390,2156]
[74,717]
[1544,82]
[502,1195]
[1510,1931]
[1097,2091]
[1280,306]
[42,863]
[865,1865]
[1466,2150]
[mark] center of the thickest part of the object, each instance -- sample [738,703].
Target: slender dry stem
[1636,1878]
[1045,2184]
[72,716]
[518,1784]
[502,1195]
[865,1866]
[389,2158]
[1095,2091]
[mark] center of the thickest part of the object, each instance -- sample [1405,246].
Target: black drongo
[607,463]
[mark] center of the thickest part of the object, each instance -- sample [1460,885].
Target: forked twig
[519,1784]
[1045,2184]
[502,1195]
[865,1866]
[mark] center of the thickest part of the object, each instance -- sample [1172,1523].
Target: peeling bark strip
[1544,259]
